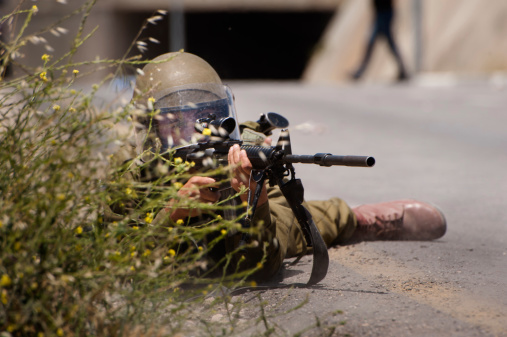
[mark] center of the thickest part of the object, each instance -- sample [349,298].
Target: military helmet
[182,95]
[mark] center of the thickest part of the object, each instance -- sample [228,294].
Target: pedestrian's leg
[402,74]
[367,55]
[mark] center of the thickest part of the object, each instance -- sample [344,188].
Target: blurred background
[317,41]
[438,136]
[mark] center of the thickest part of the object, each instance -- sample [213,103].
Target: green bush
[66,267]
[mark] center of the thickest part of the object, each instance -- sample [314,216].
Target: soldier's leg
[334,219]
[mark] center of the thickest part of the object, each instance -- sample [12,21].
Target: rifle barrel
[327,159]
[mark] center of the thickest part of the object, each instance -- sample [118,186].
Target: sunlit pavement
[439,140]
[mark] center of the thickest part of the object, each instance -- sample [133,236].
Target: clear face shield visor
[194,113]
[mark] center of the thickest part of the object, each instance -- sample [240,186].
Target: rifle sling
[294,193]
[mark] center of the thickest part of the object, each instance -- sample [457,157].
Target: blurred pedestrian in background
[384,14]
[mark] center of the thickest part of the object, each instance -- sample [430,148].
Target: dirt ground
[369,292]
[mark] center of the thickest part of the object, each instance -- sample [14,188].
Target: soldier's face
[178,128]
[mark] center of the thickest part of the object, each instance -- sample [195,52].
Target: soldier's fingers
[236,153]
[193,186]
[246,165]
[201,181]
[229,156]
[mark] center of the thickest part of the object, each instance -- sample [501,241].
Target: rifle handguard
[263,156]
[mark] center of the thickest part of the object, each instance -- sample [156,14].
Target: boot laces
[383,227]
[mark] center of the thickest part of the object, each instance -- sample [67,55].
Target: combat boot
[399,220]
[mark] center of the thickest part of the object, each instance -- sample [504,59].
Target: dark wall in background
[243,45]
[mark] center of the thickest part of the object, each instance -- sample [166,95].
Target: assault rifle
[274,164]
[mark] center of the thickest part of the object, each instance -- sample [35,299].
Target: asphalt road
[440,142]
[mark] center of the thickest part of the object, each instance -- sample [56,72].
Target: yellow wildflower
[71,109]
[147,252]
[35,9]
[43,76]
[5,281]
[135,227]
[244,204]
[172,252]
[132,248]
[45,57]
[253,284]
[128,191]
[169,229]
[60,196]
[206,132]
[149,218]
[178,160]
[151,100]
[132,268]
[4,297]
[223,231]
[259,265]
[200,248]
[79,230]
[56,107]
[75,71]
[177,185]
[179,222]
[59,332]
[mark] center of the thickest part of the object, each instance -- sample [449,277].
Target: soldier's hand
[197,188]
[241,173]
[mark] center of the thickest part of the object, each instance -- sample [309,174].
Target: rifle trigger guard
[257,175]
